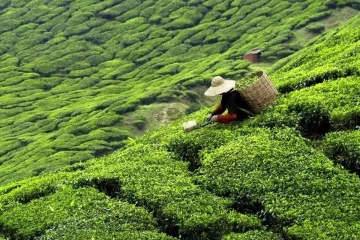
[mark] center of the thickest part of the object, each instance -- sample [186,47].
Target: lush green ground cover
[260,235]
[300,190]
[330,57]
[344,148]
[260,179]
[80,214]
[254,180]
[332,63]
[329,106]
[145,175]
[70,71]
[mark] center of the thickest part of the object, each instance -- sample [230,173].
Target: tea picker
[254,93]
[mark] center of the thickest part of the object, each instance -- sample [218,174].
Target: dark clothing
[232,101]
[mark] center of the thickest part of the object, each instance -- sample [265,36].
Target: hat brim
[225,87]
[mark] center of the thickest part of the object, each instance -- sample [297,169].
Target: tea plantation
[75,75]
[72,72]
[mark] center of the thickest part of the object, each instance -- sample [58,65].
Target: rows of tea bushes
[71,70]
[295,190]
[329,106]
[301,192]
[79,214]
[291,189]
[152,177]
[328,58]
[145,175]
[259,179]
[219,182]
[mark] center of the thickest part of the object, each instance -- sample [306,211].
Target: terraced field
[73,74]
[289,173]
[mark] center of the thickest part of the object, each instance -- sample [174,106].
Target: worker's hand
[208,117]
[213,119]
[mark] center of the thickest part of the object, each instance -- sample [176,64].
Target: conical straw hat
[219,86]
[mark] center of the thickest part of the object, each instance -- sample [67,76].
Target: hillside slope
[262,179]
[71,71]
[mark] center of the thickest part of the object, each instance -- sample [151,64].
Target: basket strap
[242,109]
[246,111]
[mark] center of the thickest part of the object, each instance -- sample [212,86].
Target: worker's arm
[226,118]
[219,110]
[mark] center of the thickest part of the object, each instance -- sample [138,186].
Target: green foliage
[80,17]
[316,110]
[92,52]
[9,25]
[260,235]
[82,212]
[344,148]
[188,146]
[108,235]
[71,71]
[192,108]
[246,81]
[319,16]
[140,123]
[279,170]
[180,206]
[316,28]
[76,30]
[328,58]
[175,200]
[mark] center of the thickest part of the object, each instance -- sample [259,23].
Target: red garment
[219,110]
[231,101]
[226,118]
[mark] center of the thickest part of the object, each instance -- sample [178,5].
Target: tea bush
[317,110]
[316,28]
[182,208]
[299,188]
[81,212]
[260,235]
[328,58]
[27,190]
[344,148]
[66,233]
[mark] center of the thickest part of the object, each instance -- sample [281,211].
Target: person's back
[240,104]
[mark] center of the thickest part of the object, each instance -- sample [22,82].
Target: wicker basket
[259,94]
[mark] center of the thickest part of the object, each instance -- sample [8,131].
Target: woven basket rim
[251,92]
[259,74]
